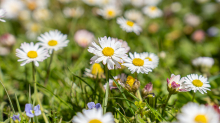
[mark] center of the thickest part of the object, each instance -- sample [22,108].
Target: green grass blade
[19,108]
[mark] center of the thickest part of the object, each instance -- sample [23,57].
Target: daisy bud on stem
[147,89]
[152,100]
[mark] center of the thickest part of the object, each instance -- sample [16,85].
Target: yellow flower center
[130,80]
[138,62]
[108,51]
[130,23]
[35,27]
[32,5]
[197,83]
[95,121]
[201,119]
[153,8]
[111,13]
[32,54]
[52,43]
[149,58]
[97,69]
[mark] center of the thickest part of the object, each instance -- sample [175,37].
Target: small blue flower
[31,111]
[92,105]
[16,118]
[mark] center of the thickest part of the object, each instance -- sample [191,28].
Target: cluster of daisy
[49,41]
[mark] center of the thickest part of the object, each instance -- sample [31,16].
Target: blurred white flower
[4,51]
[73,12]
[24,15]
[152,11]
[175,7]
[12,8]
[109,52]
[109,11]
[213,31]
[31,53]
[83,37]
[41,14]
[197,82]
[90,2]
[203,62]
[195,113]
[134,15]
[121,78]
[192,19]
[129,26]
[202,1]
[2,14]
[35,4]
[7,40]
[138,63]
[137,3]
[162,54]
[209,8]
[33,30]
[53,40]
[106,2]
[152,2]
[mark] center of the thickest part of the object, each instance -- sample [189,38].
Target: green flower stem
[8,97]
[48,69]
[193,97]
[139,95]
[163,110]
[105,101]
[36,95]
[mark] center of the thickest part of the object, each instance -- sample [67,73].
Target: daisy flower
[176,84]
[195,113]
[2,14]
[53,40]
[73,12]
[152,2]
[203,61]
[109,11]
[137,3]
[42,14]
[12,8]
[152,11]
[31,53]
[138,63]
[121,78]
[95,69]
[152,58]
[109,52]
[93,116]
[135,16]
[90,2]
[129,26]
[83,37]
[124,44]
[32,30]
[197,83]
[131,84]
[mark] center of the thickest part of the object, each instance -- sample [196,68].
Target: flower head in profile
[109,11]
[2,14]
[32,111]
[109,52]
[195,113]
[73,12]
[152,11]
[83,38]
[16,118]
[93,116]
[92,105]
[138,63]
[152,2]
[53,40]
[31,53]
[147,89]
[129,26]
[152,58]
[176,84]
[131,84]
[197,83]
[121,78]
[96,70]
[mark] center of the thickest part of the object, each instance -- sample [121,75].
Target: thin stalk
[48,69]
[105,101]
[139,95]
[193,97]
[8,97]
[163,110]
[36,95]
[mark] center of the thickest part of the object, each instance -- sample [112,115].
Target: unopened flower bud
[7,40]
[147,89]
[132,84]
